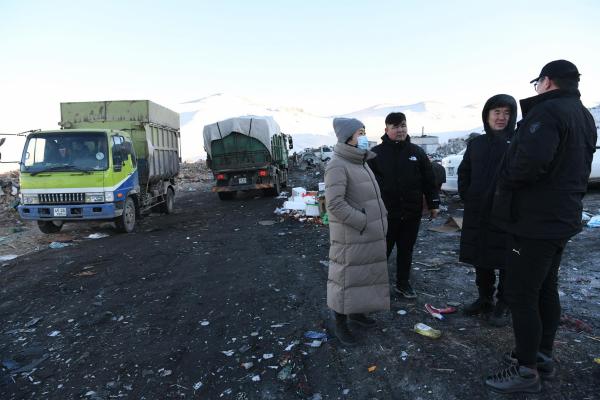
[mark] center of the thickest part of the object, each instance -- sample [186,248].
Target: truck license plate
[242,180]
[60,212]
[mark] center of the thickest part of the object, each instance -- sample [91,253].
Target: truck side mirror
[291,142]
[2,141]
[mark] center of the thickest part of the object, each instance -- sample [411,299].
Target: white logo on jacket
[412,158]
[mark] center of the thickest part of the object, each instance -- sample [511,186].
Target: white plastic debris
[228,353]
[197,385]
[267,356]
[97,235]
[54,333]
[58,245]
[248,365]
[321,186]
[401,312]
[594,222]
[404,355]
[164,372]
[204,323]
[8,257]
[315,343]
[256,378]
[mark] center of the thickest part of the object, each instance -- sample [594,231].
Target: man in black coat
[404,174]
[481,244]
[538,201]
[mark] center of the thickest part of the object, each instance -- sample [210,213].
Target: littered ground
[214,301]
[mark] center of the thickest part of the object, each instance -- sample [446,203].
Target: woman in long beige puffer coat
[358,276]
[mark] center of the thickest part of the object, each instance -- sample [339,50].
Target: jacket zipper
[378,198]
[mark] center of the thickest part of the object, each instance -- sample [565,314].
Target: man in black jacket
[481,244]
[538,201]
[404,174]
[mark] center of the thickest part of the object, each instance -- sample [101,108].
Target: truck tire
[50,226]
[169,205]
[226,195]
[276,187]
[126,222]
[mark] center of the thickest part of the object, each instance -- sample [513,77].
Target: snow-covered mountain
[309,130]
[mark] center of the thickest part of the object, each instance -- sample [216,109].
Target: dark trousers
[402,233]
[531,292]
[485,279]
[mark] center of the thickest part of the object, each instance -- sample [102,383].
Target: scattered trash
[426,330]
[453,303]
[315,343]
[54,333]
[267,222]
[164,372]
[86,273]
[594,222]
[316,396]
[452,224]
[315,335]
[289,346]
[575,324]
[197,385]
[404,355]
[402,312]
[228,353]
[267,356]
[8,257]
[58,245]
[446,310]
[256,378]
[33,322]
[204,323]
[244,348]
[372,368]
[345,392]
[285,373]
[585,217]
[324,263]
[97,236]
[597,360]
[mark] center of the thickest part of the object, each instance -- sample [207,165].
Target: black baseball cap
[559,69]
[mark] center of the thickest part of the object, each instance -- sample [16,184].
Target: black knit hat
[559,69]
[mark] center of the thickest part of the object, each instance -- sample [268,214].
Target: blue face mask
[363,143]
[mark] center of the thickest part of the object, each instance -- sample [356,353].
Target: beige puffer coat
[358,275]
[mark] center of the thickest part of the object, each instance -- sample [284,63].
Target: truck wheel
[226,195]
[276,187]
[126,222]
[50,226]
[169,204]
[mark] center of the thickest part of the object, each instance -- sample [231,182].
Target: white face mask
[363,143]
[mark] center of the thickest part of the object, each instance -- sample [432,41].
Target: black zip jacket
[404,174]
[545,172]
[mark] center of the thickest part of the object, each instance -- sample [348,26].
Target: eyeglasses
[537,82]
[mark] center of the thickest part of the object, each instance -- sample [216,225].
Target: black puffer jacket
[404,174]
[481,244]
[545,172]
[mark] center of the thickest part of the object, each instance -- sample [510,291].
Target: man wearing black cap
[404,174]
[538,202]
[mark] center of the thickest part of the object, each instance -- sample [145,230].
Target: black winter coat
[546,169]
[482,244]
[404,174]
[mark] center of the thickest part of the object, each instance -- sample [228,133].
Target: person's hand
[433,213]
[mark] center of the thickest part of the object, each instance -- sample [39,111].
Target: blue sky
[327,57]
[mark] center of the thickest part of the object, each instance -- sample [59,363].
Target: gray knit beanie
[345,127]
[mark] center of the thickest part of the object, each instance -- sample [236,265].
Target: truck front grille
[61,198]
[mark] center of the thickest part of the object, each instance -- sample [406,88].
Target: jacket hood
[500,100]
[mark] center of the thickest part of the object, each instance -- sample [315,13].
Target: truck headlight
[30,198]
[94,197]
[109,196]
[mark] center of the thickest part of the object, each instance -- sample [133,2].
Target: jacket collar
[385,139]
[530,102]
[352,154]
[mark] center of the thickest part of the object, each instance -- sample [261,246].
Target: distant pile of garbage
[304,205]
[9,190]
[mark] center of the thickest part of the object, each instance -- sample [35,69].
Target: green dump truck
[247,153]
[112,160]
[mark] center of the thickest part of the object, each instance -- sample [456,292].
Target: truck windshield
[79,151]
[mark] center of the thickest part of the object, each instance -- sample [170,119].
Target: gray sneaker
[545,365]
[515,379]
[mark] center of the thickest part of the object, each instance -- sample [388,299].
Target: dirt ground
[214,301]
